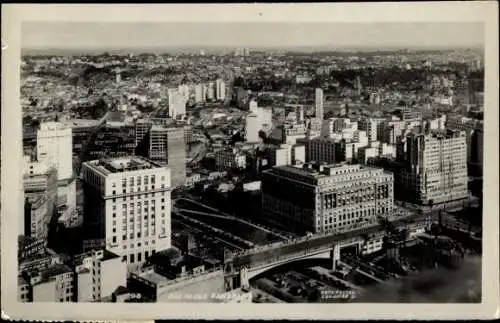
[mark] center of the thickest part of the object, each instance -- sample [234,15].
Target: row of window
[138,189]
[139,180]
[131,258]
[132,246]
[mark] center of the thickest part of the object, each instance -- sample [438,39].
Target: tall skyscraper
[176,103]
[220,90]
[158,143]
[252,127]
[184,91]
[127,206]
[176,155]
[331,198]
[142,127]
[211,91]
[199,93]
[55,149]
[319,104]
[435,167]
[358,87]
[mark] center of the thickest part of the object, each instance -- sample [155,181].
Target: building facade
[436,167]
[54,148]
[319,104]
[220,89]
[51,284]
[127,206]
[98,274]
[333,198]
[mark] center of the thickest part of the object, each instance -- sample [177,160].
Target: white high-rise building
[211,91]
[54,146]
[220,90]
[252,127]
[176,103]
[127,205]
[252,106]
[199,93]
[55,149]
[319,104]
[436,167]
[184,91]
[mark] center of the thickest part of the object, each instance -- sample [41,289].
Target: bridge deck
[258,256]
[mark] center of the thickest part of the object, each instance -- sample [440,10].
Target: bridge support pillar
[244,277]
[335,255]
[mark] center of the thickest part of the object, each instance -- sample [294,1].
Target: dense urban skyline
[82,35]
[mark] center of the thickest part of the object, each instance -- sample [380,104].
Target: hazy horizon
[75,36]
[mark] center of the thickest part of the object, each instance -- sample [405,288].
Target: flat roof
[153,277]
[314,173]
[122,164]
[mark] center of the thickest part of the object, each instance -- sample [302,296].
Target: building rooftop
[51,272]
[154,277]
[53,126]
[122,164]
[322,171]
[82,123]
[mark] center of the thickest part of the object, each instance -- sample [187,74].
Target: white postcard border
[14,14]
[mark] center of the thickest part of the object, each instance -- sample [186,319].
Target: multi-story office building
[184,91]
[291,132]
[298,154]
[319,104]
[335,125]
[51,284]
[220,89]
[329,198]
[211,91]
[474,137]
[176,103]
[314,126]
[409,115]
[322,150]
[435,167]
[393,131]
[142,127]
[252,128]
[127,206]
[176,155]
[229,158]
[374,128]
[280,155]
[40,192]
[199,93]
[158,143]
[54,148]
[98,274]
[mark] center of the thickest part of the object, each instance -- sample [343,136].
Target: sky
[112,35]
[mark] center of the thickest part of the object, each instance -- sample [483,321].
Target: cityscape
[259,173]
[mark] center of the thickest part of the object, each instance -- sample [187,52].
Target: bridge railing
[280,244]
[285,257]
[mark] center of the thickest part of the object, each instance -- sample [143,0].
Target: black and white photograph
[251,162]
